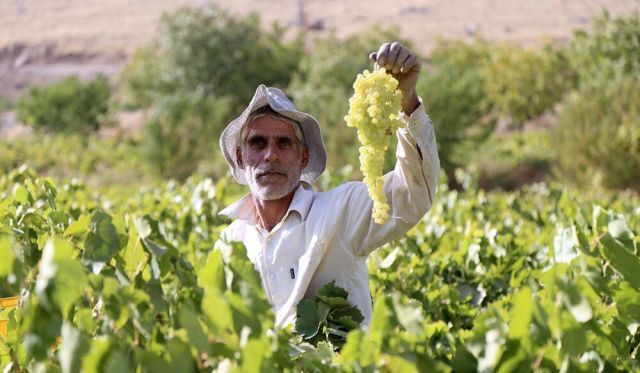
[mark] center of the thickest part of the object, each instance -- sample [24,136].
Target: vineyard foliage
[118,270]
[102,162]
[542,279]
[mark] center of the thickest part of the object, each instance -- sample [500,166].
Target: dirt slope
[43,40]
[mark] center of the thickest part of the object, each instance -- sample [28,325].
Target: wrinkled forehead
[269,126]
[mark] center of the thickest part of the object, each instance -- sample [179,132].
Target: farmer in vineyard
[299,239]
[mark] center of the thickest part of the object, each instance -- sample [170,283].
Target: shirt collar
[245,209]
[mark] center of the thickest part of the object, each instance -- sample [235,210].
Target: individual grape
[374,110]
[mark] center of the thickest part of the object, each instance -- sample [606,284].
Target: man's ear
[305,157]
[239,158]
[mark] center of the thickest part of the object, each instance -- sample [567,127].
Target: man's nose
[271,152]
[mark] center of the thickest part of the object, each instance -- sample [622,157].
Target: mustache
[274,169]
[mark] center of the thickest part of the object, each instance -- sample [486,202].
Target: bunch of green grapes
[374,110]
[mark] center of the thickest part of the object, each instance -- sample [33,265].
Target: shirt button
[267,240]
[272,276]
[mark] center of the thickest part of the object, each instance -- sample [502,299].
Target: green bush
[598,135]
[4,105]
[523,83]
[452,87]
[68,105]
[140,78]
[183,132]
[509,161]
[612,47]
[209,51]
[323,85]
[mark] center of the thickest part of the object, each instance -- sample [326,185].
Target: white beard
[264,190]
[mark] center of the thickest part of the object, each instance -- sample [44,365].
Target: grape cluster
[374,110]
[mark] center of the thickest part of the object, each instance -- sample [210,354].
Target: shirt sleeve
[410,188]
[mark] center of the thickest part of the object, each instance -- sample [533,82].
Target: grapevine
[374,111]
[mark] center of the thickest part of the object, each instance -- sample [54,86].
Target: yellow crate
[10,302]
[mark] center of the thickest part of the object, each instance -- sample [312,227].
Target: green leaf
[620,231]
[134,255]
[583,242]
[351,350]
[574,341]
[581,310]
[253,355]
[96,357]
[102,241]
[189,320]
[521,313]
[333,301]
[380,324]
[626,263]
[156,250]
[180,357]
[346,321]
[574,298]
[399,363]
[150,360]
[39,329]
[212,273]
[7,255]
[307,321]
[349,312]
[564,245]
[142,226]
[463,360]
[62,279]
[59,218]
[78,227]
[342,335]
[388,261]
[84,320]
[117,361]
[330,290]
[333,295]
[628,302]
[21,194]
[409,313]
[243,313]
[74,347]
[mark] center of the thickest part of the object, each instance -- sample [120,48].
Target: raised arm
[410,188]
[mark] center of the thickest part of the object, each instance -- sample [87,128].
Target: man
[298,239]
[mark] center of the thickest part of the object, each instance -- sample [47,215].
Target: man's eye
[285,142]
[256,142]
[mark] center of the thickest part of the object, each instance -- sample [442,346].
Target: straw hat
[279,102]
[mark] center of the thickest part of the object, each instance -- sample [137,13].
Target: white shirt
[327,236]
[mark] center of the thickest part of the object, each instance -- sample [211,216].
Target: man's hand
[403,65]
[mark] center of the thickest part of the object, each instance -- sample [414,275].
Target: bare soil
[44,40]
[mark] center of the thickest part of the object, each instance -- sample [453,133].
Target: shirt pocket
[286,278]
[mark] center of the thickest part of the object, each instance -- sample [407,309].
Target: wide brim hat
[280,103]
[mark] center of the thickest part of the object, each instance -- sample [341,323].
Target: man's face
[272,158]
